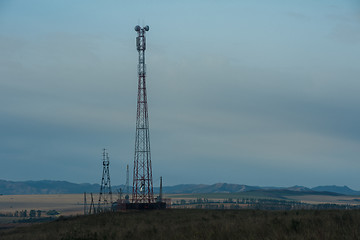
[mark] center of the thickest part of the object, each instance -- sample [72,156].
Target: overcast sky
[248,92]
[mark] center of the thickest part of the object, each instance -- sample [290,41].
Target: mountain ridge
[65,187]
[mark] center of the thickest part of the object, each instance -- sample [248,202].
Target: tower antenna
[142,177]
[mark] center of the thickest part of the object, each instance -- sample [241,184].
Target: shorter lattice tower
[105,196]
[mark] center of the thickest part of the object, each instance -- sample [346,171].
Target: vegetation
[258,194]
[259,204]
[28,214]
[198,224]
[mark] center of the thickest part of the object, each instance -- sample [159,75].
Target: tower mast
[105,195]
[142,177]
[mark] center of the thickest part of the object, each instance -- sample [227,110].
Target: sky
[259,93]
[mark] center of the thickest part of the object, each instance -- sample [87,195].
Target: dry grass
[66,204]
[71,204]
[320,199]
[198,224]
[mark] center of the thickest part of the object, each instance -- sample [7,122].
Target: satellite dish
[137,28]
[146,28]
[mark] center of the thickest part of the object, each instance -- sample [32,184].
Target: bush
[52,212]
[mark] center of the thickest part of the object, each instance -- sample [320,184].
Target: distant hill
[64,187]
[203,188]
[236,188]
[336,189]
[297,188]
[45,187]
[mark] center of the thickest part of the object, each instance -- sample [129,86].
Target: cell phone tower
[142,177]
[105,196]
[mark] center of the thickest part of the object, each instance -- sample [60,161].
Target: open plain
[176,223]
[65,204]
[73,204]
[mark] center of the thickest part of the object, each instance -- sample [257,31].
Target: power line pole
[85,211]
[92,205]
[127,187]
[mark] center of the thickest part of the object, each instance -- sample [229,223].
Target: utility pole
[92,205]
[85,203]
[127,187]
[160,194]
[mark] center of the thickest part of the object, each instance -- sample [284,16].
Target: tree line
[260,204]
[29,214]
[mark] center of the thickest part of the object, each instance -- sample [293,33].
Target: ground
[197,224]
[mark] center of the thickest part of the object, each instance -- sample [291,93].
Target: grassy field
[197,224]
[297,196]
[72,204]
[66,204]
[182,223]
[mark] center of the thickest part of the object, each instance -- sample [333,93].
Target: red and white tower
[142,177]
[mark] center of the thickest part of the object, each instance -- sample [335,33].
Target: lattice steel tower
[142,177]
[105,196]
